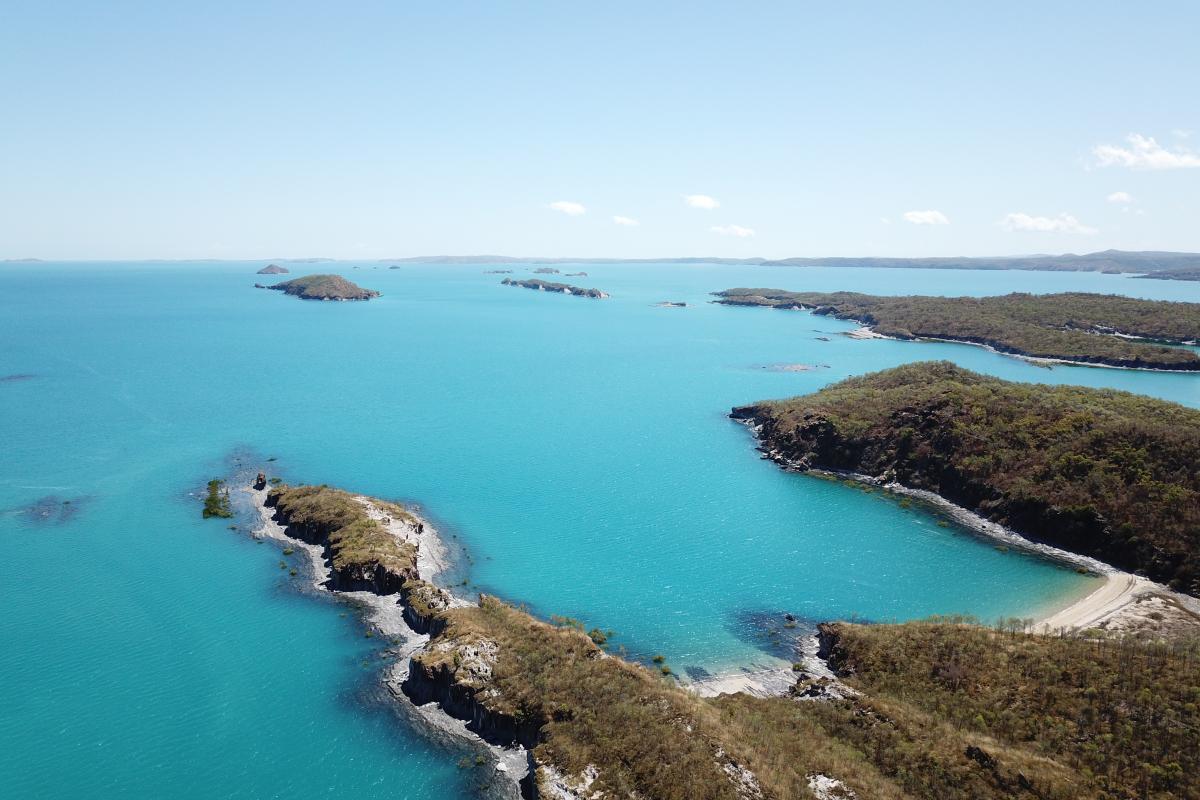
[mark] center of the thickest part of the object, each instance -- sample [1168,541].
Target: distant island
[1102,473]
[273,269]
[1174,275]
[939,708]
[562,288]
[1074,327]
[1107,261]
[323,287]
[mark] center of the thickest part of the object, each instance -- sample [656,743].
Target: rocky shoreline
[561,288]
[1124,602]
[402,606]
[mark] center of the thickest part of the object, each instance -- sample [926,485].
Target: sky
[374,130]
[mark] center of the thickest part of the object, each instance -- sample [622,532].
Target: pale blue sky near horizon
[384,129]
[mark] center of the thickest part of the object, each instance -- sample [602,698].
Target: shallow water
[577,449]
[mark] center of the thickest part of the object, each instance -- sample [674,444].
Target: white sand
[1118,591]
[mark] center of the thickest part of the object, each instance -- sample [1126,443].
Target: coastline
[1124,602]
[867,332]
[385,614]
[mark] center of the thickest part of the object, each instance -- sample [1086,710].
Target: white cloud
[733,230]
[569,208]
[926,217]
[1144,152]
[1124,198]
[701,201]
[1063,223]
[885,220]
[625,221]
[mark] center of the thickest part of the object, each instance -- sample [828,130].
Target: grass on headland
[355,539]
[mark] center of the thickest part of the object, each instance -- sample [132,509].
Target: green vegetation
[216,504]
[1072,326]
[323,287]
[1099,472]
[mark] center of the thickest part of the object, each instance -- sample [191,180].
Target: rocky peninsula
[1102,473]
[942,708]
[562,288]
[1072,327]
[322,287]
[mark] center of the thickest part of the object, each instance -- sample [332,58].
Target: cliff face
[457,675]
[1082,470]
[362,557]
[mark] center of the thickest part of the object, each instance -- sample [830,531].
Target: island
[562,288]
[273,269]
[323,287]
[1098,472]
[545,271]
[941,708]
[1074,327]
[1184,274]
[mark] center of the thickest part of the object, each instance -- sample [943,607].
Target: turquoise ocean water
[577,450]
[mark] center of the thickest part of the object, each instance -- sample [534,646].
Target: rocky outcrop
[322,287]
[423,603]
[562,288]
[365,573]
[456,674]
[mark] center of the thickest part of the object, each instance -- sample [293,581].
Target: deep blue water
[577,449]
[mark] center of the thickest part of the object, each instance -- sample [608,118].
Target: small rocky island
[561,288]
[273,269]
[913,710]
[1073,327]
[322,287]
